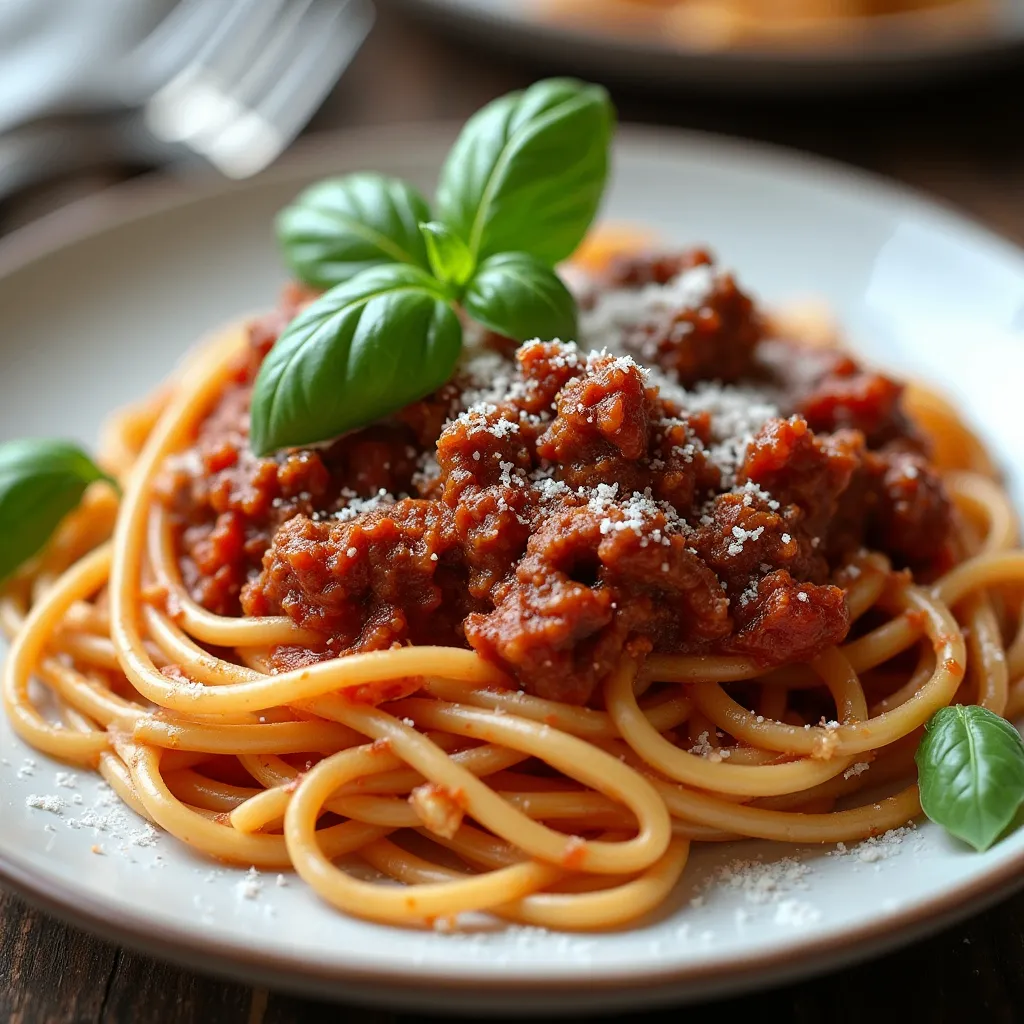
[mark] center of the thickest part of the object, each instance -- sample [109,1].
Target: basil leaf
[450,258]
[528,170]
[342,226]
[363,349]
[40,483]
[519,297]
[971,773]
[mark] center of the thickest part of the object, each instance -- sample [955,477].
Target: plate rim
[152,194]
[748,971]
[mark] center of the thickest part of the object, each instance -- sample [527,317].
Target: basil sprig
[516,195]
[387,336]
[971,773]
[528,171]
[449,256]
[513,291]
[40,483]
[342,226]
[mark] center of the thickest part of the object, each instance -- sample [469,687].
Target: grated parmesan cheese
[796,914]
[53,804]
[354,505]
[880,848]
[760,881]
[742,536]
[250,887]
[617,312]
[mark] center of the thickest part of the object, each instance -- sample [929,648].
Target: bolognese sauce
[679,479]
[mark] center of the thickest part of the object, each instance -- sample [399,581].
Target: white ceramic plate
[888,49]
[95,319]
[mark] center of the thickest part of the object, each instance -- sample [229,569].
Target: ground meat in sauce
[552,504]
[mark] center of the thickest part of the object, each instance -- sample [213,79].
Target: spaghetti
[564,800]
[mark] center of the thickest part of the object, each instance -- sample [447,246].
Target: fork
[256,81]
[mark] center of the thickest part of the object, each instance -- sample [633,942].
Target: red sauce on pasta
[692,485]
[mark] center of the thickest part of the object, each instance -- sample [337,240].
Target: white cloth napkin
[69,69]
[60,57]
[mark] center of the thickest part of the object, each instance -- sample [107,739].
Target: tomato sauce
[692,484]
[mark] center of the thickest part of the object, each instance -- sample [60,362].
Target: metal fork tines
[257,79]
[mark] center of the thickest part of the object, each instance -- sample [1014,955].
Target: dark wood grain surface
[962,142]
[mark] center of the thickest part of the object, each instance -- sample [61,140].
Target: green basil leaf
[450,258]
[362,350]
[528,171]
[971,773]
[516,295]
[342,226]
[40,483]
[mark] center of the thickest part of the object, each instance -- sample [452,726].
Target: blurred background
[94,92]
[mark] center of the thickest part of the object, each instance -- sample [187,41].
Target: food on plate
[721,24]
[512,590]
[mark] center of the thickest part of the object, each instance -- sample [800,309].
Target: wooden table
[962,142]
